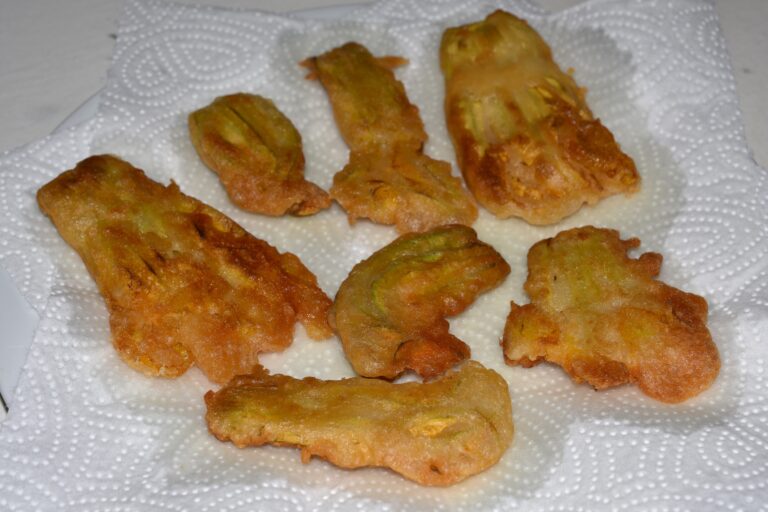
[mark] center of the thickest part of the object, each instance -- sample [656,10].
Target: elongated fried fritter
[370,105]
[435,433]
[183,283]
[525,139]
[604,318]
[388,178]
[256,151]
[390,311]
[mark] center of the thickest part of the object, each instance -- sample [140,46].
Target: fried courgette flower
[604,318]
[183,283]
[390,311]
[525,139]
[388,178]
[435,433]
[256,151]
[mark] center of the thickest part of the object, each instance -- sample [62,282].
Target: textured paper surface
[87,433]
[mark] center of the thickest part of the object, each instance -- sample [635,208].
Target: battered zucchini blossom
[388,178]
[183,283]
[525,139]
[390,311]
[435,433]
[606,320]
[256,151]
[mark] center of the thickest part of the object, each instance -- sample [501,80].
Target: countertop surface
[54,56]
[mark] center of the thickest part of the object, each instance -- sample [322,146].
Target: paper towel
[85,432]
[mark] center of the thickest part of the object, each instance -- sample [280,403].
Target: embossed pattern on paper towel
[87,433]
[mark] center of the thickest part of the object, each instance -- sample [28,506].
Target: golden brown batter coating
[183,283]
[390,311]
[525,139]
[400,187]
[256,151]
[369,104]
[388,178]
[604,318]
[435,433]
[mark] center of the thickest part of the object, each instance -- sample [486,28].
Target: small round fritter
[525,139]
[256,151]
[183,283]
[435,433]
[604,318]
[390,311]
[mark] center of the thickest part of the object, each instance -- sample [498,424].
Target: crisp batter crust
[370,105]
[604,318]
[390,311]
[183,283]
[410,190]
[435,433]
[388,178]
[525,139]
[256,151]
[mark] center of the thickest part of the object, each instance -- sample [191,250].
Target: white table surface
[54,55]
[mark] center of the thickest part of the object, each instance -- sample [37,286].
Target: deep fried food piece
[390,311]
[388,178]
[256,151]
[389,186]
[183,283]
[604,318]
[435,433]
[369,103]
[525,139]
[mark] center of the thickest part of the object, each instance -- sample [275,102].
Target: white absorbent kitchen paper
[86,432]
